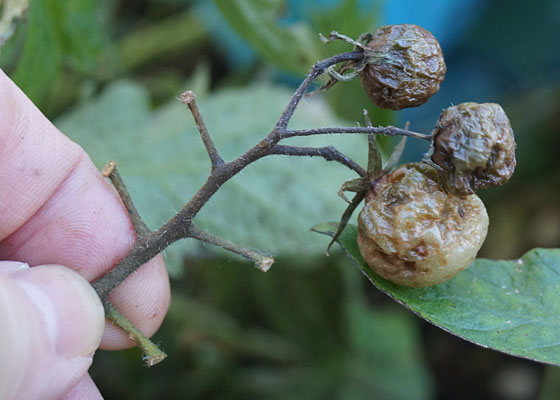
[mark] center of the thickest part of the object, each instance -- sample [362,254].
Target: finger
[52,322]
[90,233]
[80,223]
[35,158]
[85,389]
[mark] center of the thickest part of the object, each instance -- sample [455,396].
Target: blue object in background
[446,20]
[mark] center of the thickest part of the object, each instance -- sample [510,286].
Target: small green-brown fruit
[475,146]
[414,233]
[405,66]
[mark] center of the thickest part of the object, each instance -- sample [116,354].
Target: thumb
[51,322]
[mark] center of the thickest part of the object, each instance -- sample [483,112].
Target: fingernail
[72,311]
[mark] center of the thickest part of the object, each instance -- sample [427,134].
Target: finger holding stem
[152,354]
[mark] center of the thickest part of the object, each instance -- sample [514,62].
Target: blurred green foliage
[59,34]
[294,333]
[310,328]
[256,21]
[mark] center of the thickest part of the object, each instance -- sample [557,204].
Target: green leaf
[510,306]
[150,43]
[82,34]
[291,47]
[57,31]
[41,59]
[269,206]
[294,46]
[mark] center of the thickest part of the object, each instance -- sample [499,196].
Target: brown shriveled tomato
[475,147]
[405,66]
[414,233]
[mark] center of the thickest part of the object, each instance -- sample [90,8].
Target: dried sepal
[395,155]
[346,217]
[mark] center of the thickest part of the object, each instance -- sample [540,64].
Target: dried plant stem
[329,153]
[110,171]
[378,130]
[187,98]
[177,227]
[317,70]
[152,353]
[181,225]
[262,262]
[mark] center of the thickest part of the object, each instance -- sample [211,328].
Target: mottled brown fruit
[406,67]
[475,146]
[414,233]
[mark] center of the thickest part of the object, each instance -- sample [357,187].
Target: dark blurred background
[312,327]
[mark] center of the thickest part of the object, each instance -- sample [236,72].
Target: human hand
[55,208]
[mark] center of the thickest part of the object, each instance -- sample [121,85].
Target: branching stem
[110,171]
[188,99]
[329,153]
[181,225]
[378,130]
[152,354]
[262,262]
[317,70]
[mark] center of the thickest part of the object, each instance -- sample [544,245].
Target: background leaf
[510,306]
[58,32]
[258,22]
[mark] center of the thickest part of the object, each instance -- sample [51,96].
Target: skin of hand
[57,210]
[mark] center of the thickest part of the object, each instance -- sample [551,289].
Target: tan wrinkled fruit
[474,144]
[410,67]
[413,233]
